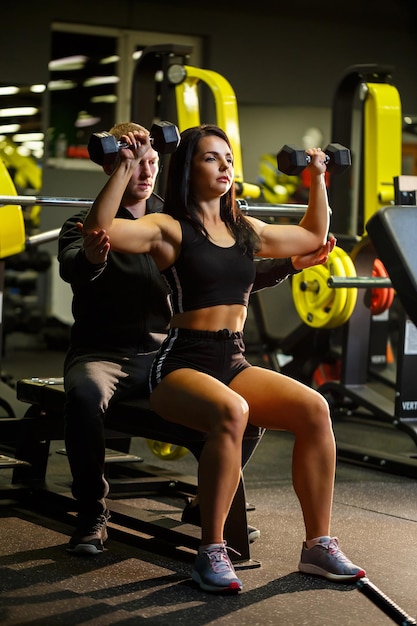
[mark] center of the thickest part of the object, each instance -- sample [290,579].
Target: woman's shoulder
[169,226]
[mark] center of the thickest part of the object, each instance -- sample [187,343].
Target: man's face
[142,181]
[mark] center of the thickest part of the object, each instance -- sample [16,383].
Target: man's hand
[96,246]
[318,257]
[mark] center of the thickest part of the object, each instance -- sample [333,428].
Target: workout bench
[43,422]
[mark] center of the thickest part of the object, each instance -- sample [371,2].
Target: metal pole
[36,240]
[45,201]
[295,211]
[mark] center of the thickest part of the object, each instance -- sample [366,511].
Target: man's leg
[91,382]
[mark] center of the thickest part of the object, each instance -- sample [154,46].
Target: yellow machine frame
[12,224]
[382,146]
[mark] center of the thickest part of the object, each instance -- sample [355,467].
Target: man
[121,314]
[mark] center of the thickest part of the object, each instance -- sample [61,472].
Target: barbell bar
[79,203]
[255,210]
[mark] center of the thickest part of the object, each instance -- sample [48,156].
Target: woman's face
[212,170]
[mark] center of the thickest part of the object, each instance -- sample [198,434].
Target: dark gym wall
[272,55]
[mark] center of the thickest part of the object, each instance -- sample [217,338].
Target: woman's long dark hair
[179,201]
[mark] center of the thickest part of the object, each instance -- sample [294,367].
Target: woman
[204,248]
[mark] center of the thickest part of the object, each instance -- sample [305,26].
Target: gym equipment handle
[385,603]
[359,282]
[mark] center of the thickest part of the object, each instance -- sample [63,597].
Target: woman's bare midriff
[230,316]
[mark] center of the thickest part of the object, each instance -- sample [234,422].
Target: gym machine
[374,399]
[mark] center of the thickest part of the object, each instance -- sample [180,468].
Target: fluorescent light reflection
[61,85]
[67,64]
[100,80]
[18,111]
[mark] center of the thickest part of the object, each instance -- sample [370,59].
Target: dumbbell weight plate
[291,160]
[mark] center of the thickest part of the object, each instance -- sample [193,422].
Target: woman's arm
[272,272]
[311,233]
[145,235]
[106,204]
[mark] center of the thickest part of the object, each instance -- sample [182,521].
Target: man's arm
[76,264]
[272,272]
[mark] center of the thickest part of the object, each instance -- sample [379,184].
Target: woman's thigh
[198,400]
[276,401]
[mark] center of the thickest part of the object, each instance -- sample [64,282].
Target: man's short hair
[126,127]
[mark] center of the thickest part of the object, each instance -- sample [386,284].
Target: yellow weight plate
[316,303]
[166,451]
[352,293]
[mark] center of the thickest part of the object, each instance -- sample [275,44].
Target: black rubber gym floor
[145,581]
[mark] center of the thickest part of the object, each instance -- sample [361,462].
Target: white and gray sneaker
[327,559]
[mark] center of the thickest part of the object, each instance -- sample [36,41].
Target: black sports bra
[207,275]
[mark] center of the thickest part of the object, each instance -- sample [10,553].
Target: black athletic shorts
[219,354]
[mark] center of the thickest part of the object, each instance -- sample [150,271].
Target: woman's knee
[233,417]
[318,414]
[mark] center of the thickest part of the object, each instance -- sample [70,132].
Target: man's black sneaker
[91,534]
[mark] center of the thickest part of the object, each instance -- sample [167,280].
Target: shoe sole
[254,535]
[308,568]
[232,588]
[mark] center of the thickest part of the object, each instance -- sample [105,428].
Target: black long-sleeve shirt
[120,304]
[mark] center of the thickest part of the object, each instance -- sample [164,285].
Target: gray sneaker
[213,571]
[326,559]
[91,534]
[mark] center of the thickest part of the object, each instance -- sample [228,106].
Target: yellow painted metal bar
[382,146]
[12,225]
[225,103]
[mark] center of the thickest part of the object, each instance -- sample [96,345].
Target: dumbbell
[292,160]
[103,147]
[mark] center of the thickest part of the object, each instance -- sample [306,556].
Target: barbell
[12,233]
